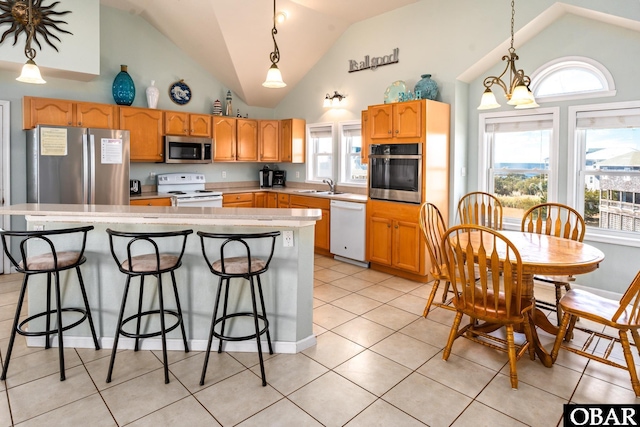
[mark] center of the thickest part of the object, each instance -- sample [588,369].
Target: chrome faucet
[329,182]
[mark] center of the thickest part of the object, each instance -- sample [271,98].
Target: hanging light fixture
[274,77]
[517,91]
[30,71]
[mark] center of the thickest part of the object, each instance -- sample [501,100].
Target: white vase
[153,94]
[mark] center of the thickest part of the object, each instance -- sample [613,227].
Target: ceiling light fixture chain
[275,55]
[30,52]
[517,89]
[274,76]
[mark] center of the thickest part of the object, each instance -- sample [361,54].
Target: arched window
[571,78]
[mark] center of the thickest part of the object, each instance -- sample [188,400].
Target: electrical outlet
[287,238]
[224,174]
[152,176]
[297,174]
[40,227]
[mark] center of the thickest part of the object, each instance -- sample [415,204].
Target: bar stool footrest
[52,331]
[150,334]
[244,338]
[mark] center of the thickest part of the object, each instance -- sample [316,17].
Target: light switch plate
[287,238]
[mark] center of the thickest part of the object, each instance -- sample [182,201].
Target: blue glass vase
[123,88]
[427,87]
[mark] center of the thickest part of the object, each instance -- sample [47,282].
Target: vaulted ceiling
[232,40]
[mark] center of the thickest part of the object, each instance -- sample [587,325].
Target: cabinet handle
[70,124]
[396,227]
[397,131]
[388,225]
[148,204]
[389,131]
[79,123]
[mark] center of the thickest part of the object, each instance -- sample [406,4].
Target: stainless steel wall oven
[395,172]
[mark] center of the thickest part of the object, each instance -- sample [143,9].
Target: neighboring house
[619,194]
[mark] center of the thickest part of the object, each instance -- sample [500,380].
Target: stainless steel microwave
[395,172]
[187,149]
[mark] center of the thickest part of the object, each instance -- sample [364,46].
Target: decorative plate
[392,93]
[180,93]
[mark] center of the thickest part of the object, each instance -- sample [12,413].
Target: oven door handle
[396,157]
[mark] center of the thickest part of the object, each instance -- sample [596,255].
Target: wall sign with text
[372,63]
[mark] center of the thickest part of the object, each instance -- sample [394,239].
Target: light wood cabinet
[269,141]
[247,140]
[283,200]
[187,124]
[272,200]
[62,112]
[156,201]
[397,122]
[260,200]
[394,237]
[292,140]
[323,225]
[237,200]
[145,129]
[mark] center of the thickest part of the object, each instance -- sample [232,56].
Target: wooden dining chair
[480,208]
[554,219]
[433,228]
[623,315]
[475,256]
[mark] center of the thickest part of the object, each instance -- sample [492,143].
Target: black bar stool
[246,267]
[51,262]
[149,264]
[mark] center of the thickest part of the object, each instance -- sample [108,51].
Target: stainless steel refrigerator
[77,165]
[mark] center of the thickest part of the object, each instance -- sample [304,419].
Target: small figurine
[238,115]
[228,110]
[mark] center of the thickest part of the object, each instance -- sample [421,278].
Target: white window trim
[575,162]
[310,152]
[484,172]
[342,154]
[574,61]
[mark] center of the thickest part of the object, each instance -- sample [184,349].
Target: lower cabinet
[237,200]
[260,200]
[156,201]
[394,238]
[283,200]
[271,200]
[322,230]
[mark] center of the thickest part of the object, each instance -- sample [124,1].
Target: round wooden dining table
[546,255]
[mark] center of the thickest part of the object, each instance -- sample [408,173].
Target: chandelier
[517,90]
[30,71]
[274,77]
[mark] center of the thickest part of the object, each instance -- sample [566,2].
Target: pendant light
[517,91]
[30,71]
[274,77]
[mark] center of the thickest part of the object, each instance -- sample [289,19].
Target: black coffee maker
[279,178]
[266,177]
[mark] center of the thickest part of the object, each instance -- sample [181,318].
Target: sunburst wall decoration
[15,13]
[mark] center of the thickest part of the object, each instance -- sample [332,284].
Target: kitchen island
[287,285]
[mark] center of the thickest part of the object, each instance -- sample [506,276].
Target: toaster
[135,187]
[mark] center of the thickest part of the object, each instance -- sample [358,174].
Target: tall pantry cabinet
[395,243]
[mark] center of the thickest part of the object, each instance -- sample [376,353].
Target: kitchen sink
[331,193]
[307,191]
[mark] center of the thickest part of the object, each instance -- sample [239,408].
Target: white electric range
[188,189]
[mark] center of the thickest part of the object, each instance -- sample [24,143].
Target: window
[571,78]
[519,162]
[352,171]
[606,166]
[319,151]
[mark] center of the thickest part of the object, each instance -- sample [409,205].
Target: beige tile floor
[377,363]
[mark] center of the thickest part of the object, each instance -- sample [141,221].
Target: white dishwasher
[348,229]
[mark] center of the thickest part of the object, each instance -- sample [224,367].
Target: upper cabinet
[269,141]
[178,123]
[292,140]
[235,139]
[366,137]
[62,112]
[247,140]
[145,129]
[397,122]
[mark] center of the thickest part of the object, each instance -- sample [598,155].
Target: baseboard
[364,264]
[174,344]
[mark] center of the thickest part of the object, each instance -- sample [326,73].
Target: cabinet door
[381,121]
[285,140]
[269,141]
[237,200]
[224,134]
[406,245]
[292,140]
[200,125]
[322,231]
[283,200]
[247,140]
[162,201]
[92,115]
[379,234]
[272,200]
[259,200]
[407,120]
[176,123]
[45,111]
[366,137]
[145,128]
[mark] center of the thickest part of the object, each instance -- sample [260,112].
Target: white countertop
[165,214]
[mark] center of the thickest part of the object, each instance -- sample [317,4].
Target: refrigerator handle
[92,169]
[85,171]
